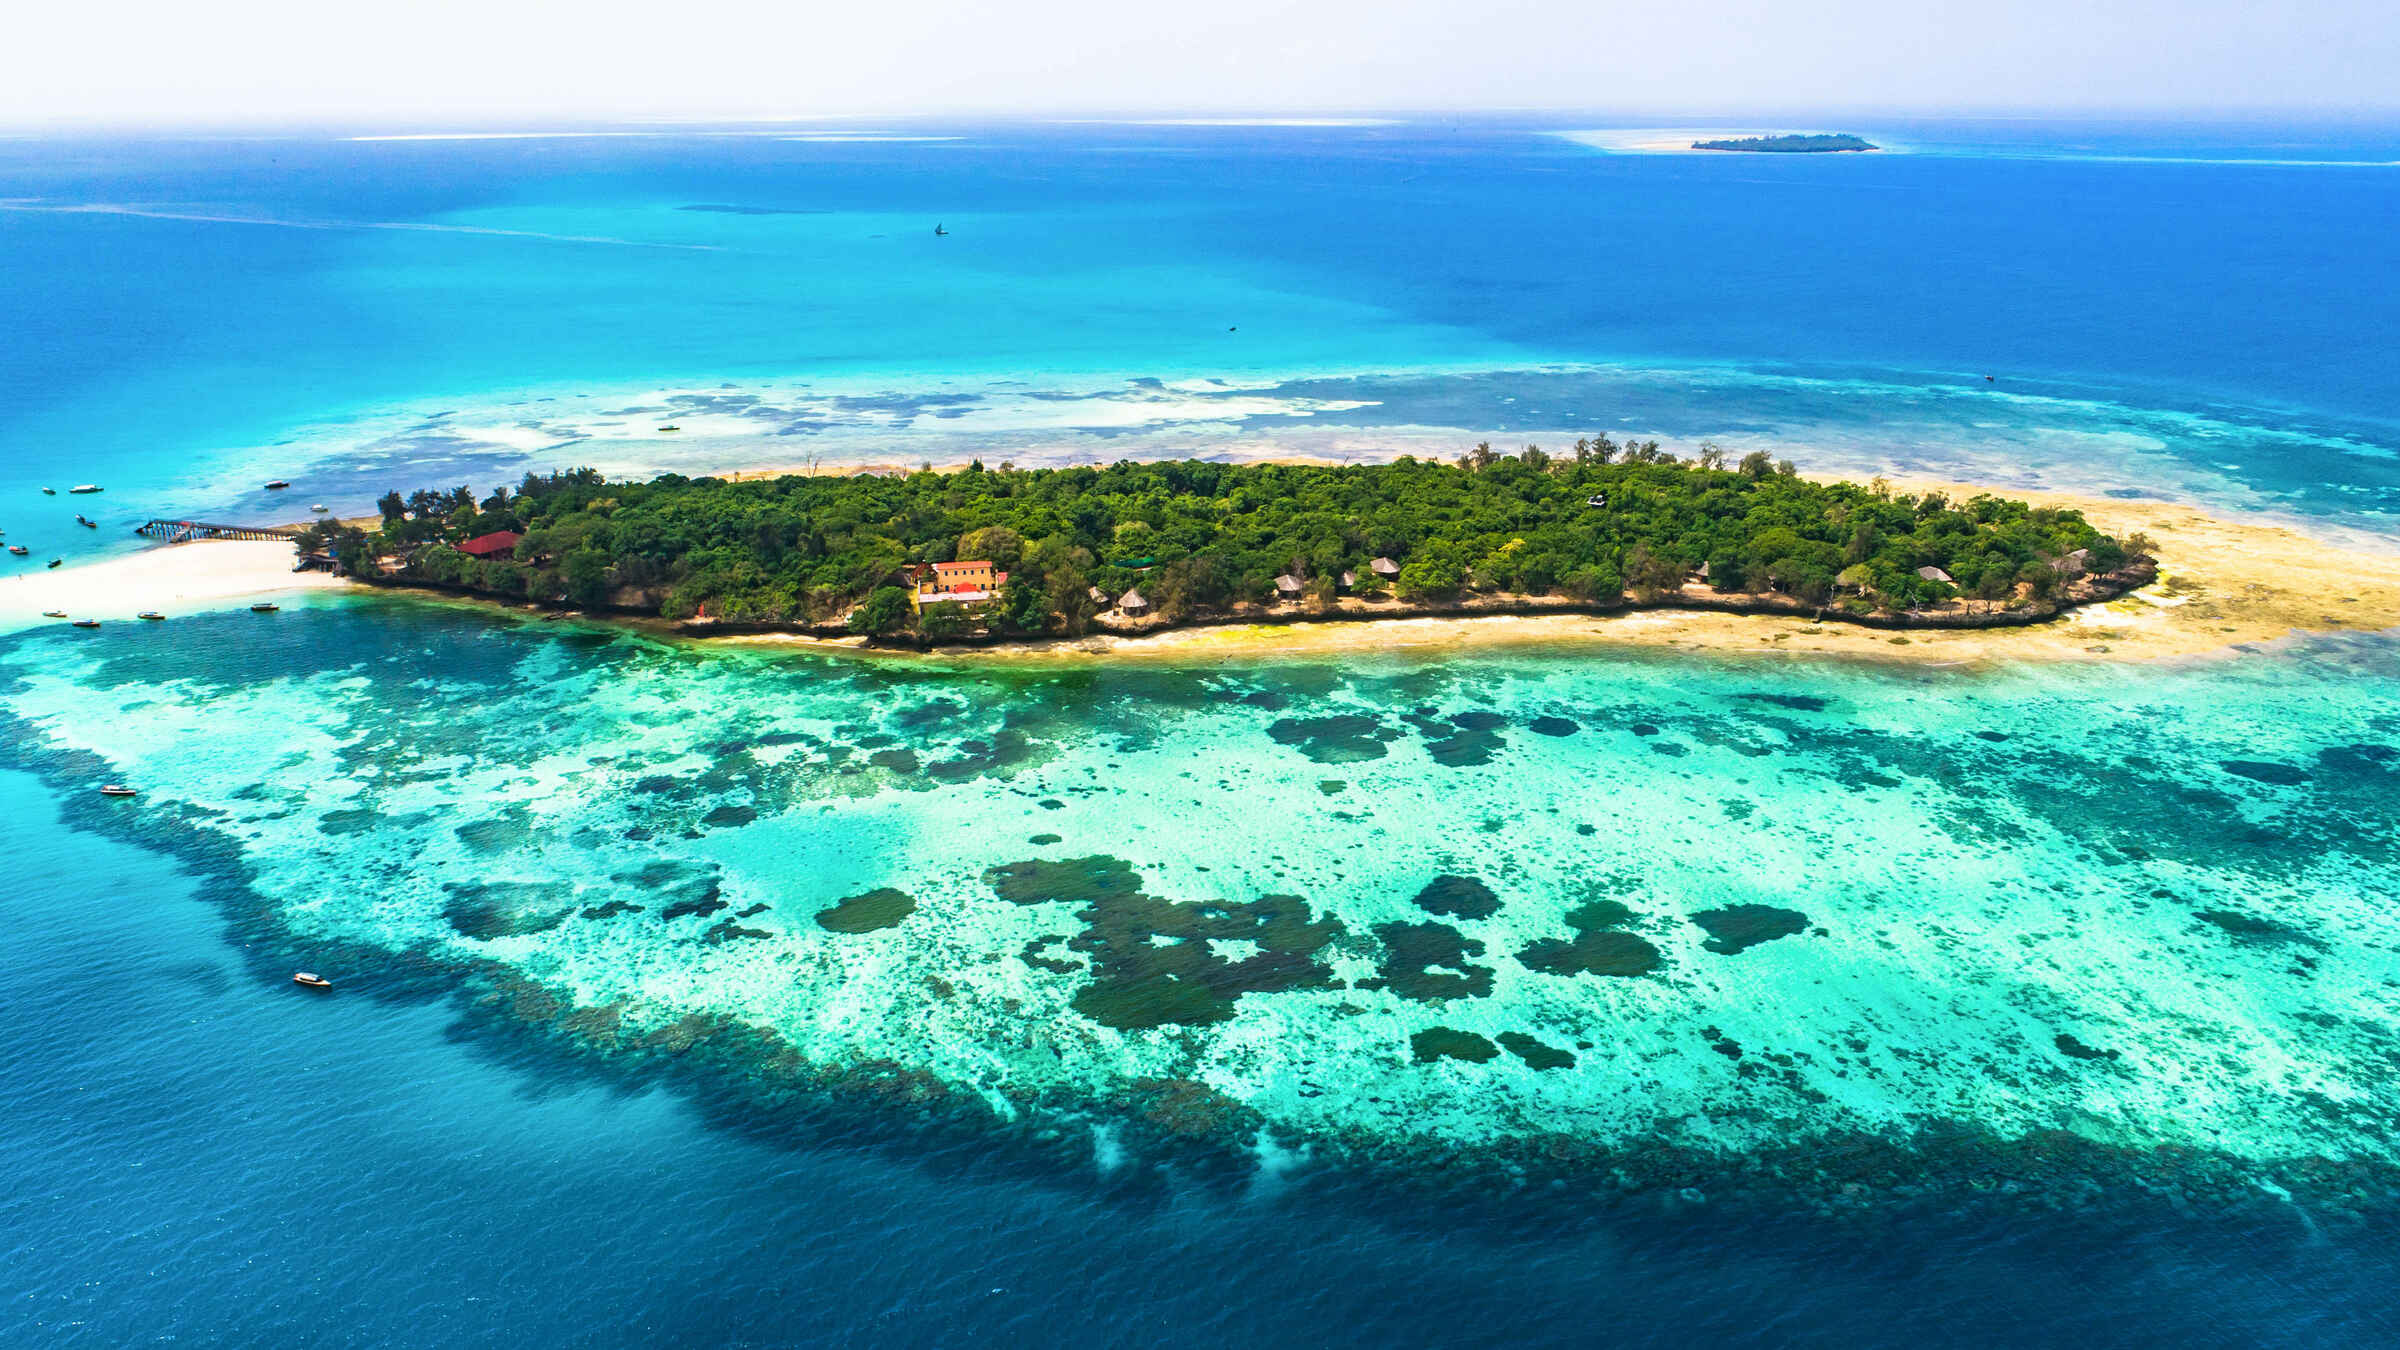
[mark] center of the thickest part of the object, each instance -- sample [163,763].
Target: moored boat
[56,561]
[54,614]
[19,549]
[312,979]
[320,508]
[278,485]
[265,607]
[87,522]
[86,623]
[49,492]
[84,488]
[115,790]
[150,614]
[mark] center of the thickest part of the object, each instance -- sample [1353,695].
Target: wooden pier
[180,531]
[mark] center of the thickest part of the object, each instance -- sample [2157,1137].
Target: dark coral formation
[1343,738]
[1795,702]
[2249,928]
[1427,962]
[1737,928]
[1458,897]
[1152,962]
[1461,740]
[867,911]
[1593,951]
[1599,946]
[1435,1043]
[2265,771]
[2075,1049]
[1535,1054]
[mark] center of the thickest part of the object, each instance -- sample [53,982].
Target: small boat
[87,523]
[56,561]
[19,549]
[319,508]
[150,614]
[312,979]
[670,427]
[49,492]
[278,485]
[116,790]
[264,607]
[54,614]
[86,623]
[82,489]
[939,231]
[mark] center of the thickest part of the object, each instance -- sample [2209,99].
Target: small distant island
[1790,145]
[981,556]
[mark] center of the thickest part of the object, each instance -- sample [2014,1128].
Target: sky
[454,63]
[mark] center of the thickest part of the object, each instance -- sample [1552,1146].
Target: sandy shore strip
[172,579]
[2222,584]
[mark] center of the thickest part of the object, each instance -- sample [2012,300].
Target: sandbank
[171,579]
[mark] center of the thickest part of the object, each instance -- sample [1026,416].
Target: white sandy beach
[172,579]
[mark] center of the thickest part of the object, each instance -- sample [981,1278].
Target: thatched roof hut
[1133,604]
[1931,573]
[1384,567]
[1349,579]
[1288,585]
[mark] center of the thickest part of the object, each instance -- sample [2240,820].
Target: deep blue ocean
[192,1150]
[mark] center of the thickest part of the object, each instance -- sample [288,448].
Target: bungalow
[1933,574]
[1349,580]
[1385,568]
[1289,587]
[1133,604]
[1099,597]
[497,544]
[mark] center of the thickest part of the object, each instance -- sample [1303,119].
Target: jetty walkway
[178,531]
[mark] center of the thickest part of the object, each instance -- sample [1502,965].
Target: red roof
[486,545]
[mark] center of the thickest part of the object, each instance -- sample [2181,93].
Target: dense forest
[1198,537]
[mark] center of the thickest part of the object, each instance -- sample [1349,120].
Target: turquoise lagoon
[1674,902]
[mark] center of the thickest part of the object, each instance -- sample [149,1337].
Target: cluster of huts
[1289,586]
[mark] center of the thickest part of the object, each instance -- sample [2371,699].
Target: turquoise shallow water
[2142,907]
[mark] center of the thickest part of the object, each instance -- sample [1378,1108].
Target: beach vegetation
[1197,538]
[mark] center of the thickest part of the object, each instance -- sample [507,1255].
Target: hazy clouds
[454,62]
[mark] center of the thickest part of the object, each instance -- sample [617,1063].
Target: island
[1790,144]
[982,555]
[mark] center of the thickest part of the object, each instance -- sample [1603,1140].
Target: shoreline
[171,579]
[2222,584]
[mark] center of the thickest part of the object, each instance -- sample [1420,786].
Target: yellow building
[960,582]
